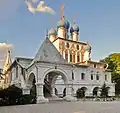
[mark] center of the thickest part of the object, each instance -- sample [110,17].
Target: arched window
[95,66]
[97,77]
[72,75]
[106,77]
[77,47]
[67,45]
[82,76]
[78,57]
[91,76]
[70,57]
[74,58]
[66,55]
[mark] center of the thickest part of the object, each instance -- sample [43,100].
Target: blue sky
[99,22]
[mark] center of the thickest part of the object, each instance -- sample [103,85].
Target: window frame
[82,76]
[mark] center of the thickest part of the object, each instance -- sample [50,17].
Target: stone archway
[50,83]
[95,91]
[48,79]
[32,84]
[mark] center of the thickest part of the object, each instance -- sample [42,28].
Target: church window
[70,57]
[67,45]
[97,77]
[106,77]
[16,71]
[91,76]
[72,76]
[66,55]
[74,58]
[77,47]
[95,65]
[78,58]
[82,76]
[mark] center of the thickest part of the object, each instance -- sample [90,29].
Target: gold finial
[62,11]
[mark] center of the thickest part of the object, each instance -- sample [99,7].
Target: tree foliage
[113,61]
[104,91]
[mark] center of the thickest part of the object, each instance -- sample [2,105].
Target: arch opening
[54,84]
[80,93]
[95,91]
[31,82]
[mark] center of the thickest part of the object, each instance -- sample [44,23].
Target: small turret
[62,28]
[74,30]
[52,34]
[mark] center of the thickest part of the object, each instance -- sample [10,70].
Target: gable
[48,52]
[24,62]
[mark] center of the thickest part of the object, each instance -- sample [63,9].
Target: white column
[68,56]
[64,54]
[40,96]
[75,57]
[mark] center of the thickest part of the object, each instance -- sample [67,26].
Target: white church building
[61,66]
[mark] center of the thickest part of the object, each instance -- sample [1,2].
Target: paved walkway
[66,107]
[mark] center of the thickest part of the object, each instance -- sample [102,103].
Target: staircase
[47,89]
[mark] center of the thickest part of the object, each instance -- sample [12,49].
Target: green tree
[104,91]
[113,61]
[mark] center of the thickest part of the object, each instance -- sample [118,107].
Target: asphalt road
[66,107]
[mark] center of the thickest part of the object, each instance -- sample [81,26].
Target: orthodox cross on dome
[74,18]
[62,11]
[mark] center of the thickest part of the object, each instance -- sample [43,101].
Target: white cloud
[8,8]
[34,1]
[41,7]
[3,52]
[5,46]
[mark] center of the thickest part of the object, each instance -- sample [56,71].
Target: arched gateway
[47,83]
[51,82]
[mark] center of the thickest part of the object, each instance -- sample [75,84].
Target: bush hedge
[13,96]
